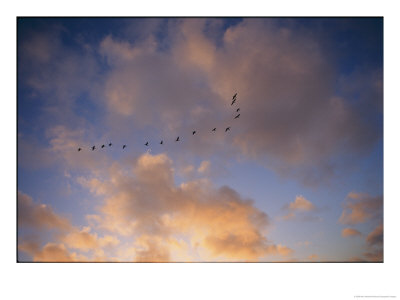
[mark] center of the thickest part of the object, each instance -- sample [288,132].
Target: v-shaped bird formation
[234,98]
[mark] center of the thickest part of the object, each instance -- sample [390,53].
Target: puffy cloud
[40,216]
[348,232]
[81,239]
[144,203]
[361,207]
[292,120]
[299,207]
[35,217]
[85,241]
[151,249]
[51,252]
[301,204]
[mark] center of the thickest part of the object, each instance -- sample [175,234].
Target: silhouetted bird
[228,128]
[109,145]
[238,110]
[234,98]
[79,149]
[177,139]
[102,146]
[237,116]
[214,129]
[147,143]
[161,142]
[194,132]
[124,146]
[93,147]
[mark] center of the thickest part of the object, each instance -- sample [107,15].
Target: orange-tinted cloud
[151,249]
[298,207]
[204,166]
[37,217]
[51,252]
[376,236]
[348,232]
[301,204]
[313,257]
[375,256]
[31,214]
[364,208]
[144,202]
[85,241]
[360,208]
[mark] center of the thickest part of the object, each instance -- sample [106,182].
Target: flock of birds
[177,139]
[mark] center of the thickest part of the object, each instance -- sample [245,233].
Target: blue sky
[309,140]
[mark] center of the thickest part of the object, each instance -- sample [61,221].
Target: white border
[198,281]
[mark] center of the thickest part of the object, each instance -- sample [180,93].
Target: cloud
[292,120]
[85,241]
[361,207]
[56,73]
[51,252]
[301,204]
[39,216]
[294,117]
[204,167]
[349,232]
[376,236]
[364,208]
[375,256]
[143,202]
[151,249]
[81,240]
[313,257]
[300,207]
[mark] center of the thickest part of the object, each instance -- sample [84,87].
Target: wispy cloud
[359,208]
[362,208]
[349,232]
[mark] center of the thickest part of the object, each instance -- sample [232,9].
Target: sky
[297,178]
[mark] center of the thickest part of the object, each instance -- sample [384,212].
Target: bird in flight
[102,146]
[238,110]
[93,147]
[194,132]
[79,149]
[237,116]
[214,129]
[228,128]
[177,139]
[161,142]
[234,98]
[147,143]
[124,146]
[109,145]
